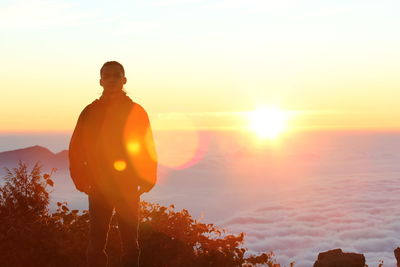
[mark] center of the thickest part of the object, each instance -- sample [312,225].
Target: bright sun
[268,122]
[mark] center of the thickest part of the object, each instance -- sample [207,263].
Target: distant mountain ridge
[33,154]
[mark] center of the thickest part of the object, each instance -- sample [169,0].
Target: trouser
[100,210]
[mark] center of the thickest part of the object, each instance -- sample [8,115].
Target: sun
[268,122]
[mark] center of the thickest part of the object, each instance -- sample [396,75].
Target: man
[113,160]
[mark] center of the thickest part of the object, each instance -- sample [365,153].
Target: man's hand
[142,190]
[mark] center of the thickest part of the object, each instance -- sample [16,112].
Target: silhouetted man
[113,160]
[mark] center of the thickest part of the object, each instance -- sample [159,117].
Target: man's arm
[141,148]
[150,157]
[77,156]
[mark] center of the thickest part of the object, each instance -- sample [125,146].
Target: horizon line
[232,128]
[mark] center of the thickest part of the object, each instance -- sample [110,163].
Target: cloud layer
[308,193]
[314,193]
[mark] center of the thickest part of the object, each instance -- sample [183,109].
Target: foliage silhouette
[31,236]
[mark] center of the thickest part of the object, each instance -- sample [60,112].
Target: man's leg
[100,212]
[127,212]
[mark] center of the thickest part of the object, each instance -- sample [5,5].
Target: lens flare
[177,145]
[120,165]
[133,147]
[139,145]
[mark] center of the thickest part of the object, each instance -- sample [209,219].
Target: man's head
[112,76]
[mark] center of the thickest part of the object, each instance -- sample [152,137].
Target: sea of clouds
[307,193]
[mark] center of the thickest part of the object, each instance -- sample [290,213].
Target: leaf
[50,182]
[65,208]
[46,176]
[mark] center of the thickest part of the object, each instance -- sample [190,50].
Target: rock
[397,255]
[336,258]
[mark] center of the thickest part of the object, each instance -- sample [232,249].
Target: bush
[31,236]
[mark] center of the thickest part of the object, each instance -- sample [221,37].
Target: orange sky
[331,64]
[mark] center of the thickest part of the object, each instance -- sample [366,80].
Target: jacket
[112,147]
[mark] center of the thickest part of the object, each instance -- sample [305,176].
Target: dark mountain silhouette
[33,154]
